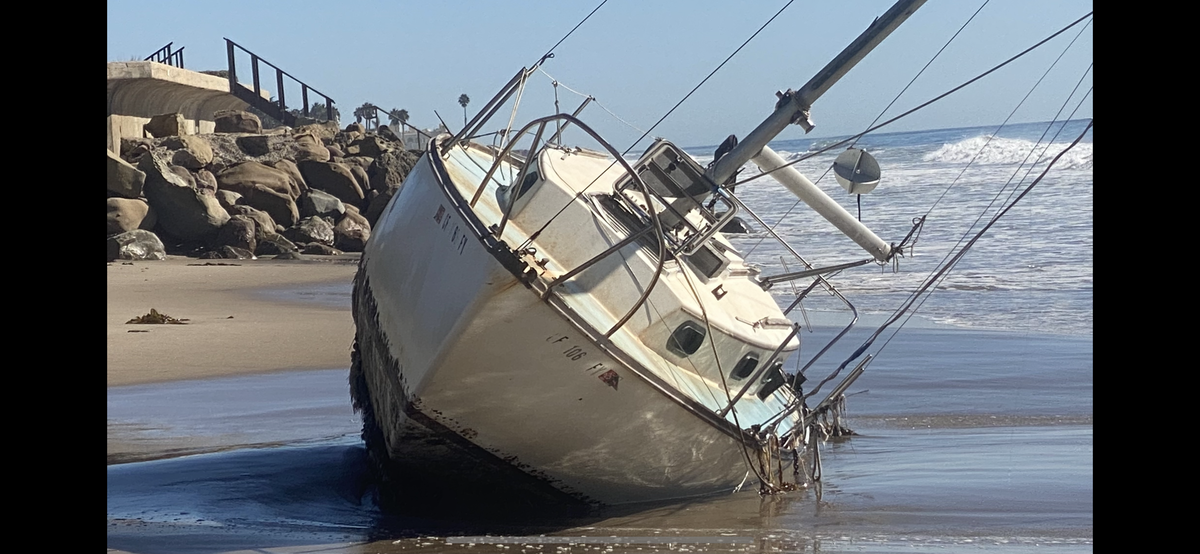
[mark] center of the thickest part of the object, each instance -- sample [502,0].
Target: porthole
[686,339]
[744,367]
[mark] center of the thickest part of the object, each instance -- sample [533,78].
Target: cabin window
[745,367]
[686,339]
[530,178]
[772,381]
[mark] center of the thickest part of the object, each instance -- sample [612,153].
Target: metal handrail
[166,56]
[279,75]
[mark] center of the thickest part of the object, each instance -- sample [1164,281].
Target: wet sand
[235,326]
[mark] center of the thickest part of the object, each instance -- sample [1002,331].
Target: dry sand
[233,327]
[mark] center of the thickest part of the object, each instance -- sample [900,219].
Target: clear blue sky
[637,57]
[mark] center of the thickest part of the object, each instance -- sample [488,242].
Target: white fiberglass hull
[461,354]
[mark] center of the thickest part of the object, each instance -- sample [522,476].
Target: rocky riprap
[243,192]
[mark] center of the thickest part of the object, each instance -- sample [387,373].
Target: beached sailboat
[561,321]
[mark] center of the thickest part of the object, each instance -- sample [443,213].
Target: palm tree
[463,100]
[398,117]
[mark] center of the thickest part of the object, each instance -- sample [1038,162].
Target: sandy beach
[233,325]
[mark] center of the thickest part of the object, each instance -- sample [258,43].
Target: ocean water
[974,419]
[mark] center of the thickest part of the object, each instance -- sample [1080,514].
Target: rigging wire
[660,120]
[953,257]
[549,53]
[869,127]
[953,261]
[705,80]
[912,312]
[1006,185]
[911,111]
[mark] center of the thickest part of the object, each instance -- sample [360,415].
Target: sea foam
[987,149]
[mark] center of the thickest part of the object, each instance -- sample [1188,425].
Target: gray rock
[191,151]
[183,211]
[264,225]
[238,232]
[254,145]
[311,230]
[124,179]
[165,125]
[228,199]
[226,252]
[322,131]
[206,182]
[390,169]
[378,204]
[320,203]
[275,245]
[138,244]
[319,249]
[370,145]
[292,255]
[360,178]
[356,128]
[334,151]
[242,177]
[333,178]
[129,144]
[237,121]
[351,233]
[127,214]
[309,148]
[289,167]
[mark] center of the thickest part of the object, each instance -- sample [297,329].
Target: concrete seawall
[138,91]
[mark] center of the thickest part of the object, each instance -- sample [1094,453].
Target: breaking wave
[986,149]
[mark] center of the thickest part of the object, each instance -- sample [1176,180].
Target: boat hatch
[707,261]
[679,183]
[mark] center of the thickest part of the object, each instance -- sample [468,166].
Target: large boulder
[322,131]
[191,151]
[254,145]
[228,199]
[379,203]
[369,145]
[390,168]
[237,121]
[275,246]
[183,211]
[207,182]
[138,244]
[264,225]
[311,229]
[124,179]
[127,214]
[333,178]
[321,204]
[243,176]
[238,232]
[309,148]
[165,125]
[280,207]
[360,177]
[288,166]
[351,233]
